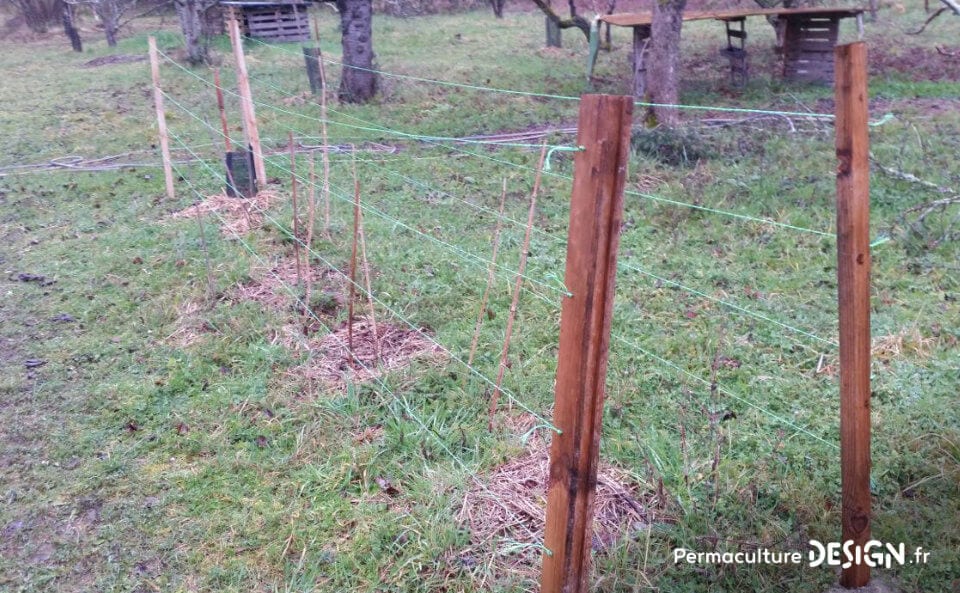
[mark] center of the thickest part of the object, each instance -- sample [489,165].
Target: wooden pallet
[277,23]
[808,48]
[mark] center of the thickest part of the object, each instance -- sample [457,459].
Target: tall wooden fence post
[250,130]
[161,116]
[596,214]
[853,281]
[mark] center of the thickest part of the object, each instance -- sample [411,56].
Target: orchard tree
[358,81]
[574,21]
[664,61]
[193,23]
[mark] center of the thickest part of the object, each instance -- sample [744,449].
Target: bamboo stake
[368,283]
[490,277]
[161,117]
[353,257]
[222,109]
[311,211]
[296,211]
[516,288]
[325,150]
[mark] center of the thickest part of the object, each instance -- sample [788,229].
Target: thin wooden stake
[311,219]
[325,149]
[296,210]
[853,286]
[369,286]
[491,275]
[596,215]
[516,288]
[353,256]
[223,111]
[251,133]
[161,117]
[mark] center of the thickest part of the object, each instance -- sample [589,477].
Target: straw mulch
[272,285]
[332,362]
[506,510]
[235,215]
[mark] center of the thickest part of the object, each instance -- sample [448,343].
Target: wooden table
[810,35]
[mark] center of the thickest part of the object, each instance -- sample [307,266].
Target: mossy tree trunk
[664,61]
[358,81]
[70,28]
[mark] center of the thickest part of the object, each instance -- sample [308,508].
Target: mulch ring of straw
[235,215]
[506,511]
[275,286]
[374,354]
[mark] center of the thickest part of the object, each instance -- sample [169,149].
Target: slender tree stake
[490,278]
[516,287]
[353,256]
[311,212]
[161,116]
[223,111]
[325,149]
[366,276]
[296,211]
[206,255]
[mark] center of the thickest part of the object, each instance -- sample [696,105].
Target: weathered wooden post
[312,57]
[161,116]
[853,282]
[596,214]
[250,131]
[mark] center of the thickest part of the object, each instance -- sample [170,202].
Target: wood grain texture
[853,276]
[161,117]
[596,213]
[249,115]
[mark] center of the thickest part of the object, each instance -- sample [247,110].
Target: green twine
[886,117]
[546,160]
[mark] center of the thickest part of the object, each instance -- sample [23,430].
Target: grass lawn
[177,412]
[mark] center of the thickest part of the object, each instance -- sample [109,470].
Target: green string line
[637,269]
[764,221]
[554,96]
[398,133]
[465,254]
[512,396]
[471,471]
[683,372]
[728,304]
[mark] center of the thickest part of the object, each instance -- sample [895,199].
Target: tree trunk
[70,29]
[358,82]
[497,8]
[664,61]
[109,12]
[190,13]
[575,20]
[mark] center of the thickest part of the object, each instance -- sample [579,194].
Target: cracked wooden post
[250,131]
[161,117]
[853,286]
[596,214]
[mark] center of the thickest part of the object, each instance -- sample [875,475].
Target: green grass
[136,460]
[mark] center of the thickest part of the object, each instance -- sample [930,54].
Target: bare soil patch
[941,64]
[116,59]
